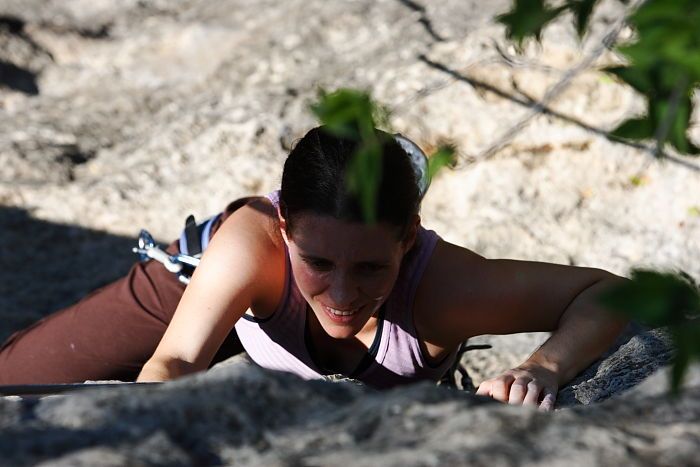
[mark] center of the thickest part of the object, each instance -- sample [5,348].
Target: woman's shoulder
[253,229]
[258,218]
[432,294]
[463,294]
[446,259]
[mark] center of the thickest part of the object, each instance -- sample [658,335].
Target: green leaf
[346,112]
[680,366]
[693,332]
[676,121]
[663,299]
[654,12]
[527,19]
[641,56]
[678,134]
[445,156]
[654,299]
[350,113]
[635,128]
[666,46]
[363,178]
[686,339]
[639,80]
[582,10]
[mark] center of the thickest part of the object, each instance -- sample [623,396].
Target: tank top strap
[400,349]
[274,198]
[412,269]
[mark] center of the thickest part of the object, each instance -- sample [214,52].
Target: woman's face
[344,270]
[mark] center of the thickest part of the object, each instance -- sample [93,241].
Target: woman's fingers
[519,391]
[500,387]
[484,389]
[533,394]
[547,403]
[524,389]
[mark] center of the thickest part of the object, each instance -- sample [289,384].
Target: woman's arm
[241,266]
[475,296]
[584,332]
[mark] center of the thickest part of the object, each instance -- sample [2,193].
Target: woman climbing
[300,282]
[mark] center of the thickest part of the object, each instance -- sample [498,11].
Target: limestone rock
[121,115]
[249,416]
[637,355]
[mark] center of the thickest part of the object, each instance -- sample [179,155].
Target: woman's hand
[528,384]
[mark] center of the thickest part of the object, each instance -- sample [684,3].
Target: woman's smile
[338,312]
[344,270]
[341,317]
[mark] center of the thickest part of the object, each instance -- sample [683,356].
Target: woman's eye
[372,267]
[318,264]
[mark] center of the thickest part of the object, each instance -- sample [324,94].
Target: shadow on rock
[18,79]
[245,415]
[48,266]
[241,413]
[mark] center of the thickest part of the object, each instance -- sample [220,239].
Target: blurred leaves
[664,61]
[527,19]
[664,66]
[655,299]
[350,113]
[658,299]
[445,156]
[635,128]
[582,10]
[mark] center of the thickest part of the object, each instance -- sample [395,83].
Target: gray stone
[637,355]
[136,113]
[659,383]
[249,416]
[10,411]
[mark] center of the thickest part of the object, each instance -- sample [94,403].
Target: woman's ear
[410,238]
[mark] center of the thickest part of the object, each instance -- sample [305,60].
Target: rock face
[238,413]
[244,415]
[116,116]
[121,115]
[637,354]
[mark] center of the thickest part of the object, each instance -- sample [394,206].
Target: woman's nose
[343,292]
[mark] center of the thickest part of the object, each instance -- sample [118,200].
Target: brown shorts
[109,334]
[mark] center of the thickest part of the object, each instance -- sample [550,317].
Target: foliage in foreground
[353,114]
[663,61]
[658,299]
[663,66]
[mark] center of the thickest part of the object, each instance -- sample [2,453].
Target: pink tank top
[279,342]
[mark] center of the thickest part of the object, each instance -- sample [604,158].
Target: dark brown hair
[314,181]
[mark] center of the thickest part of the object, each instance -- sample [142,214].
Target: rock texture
[147,111]
[243,415]
[121,115]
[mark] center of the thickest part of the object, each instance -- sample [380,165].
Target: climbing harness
[457,376]
[193,240]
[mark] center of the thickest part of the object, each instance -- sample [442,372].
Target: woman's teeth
[342,313]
